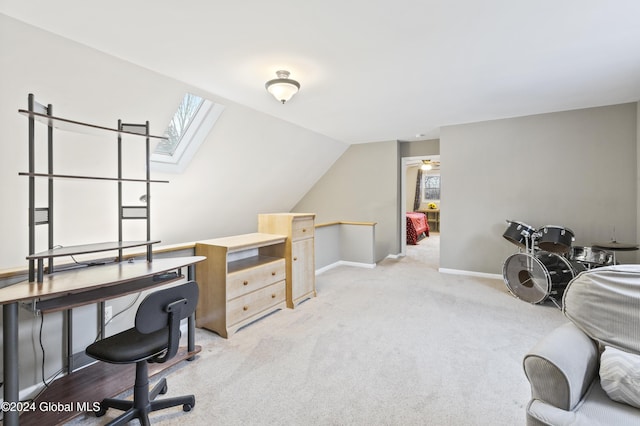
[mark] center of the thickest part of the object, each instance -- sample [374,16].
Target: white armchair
[567,370]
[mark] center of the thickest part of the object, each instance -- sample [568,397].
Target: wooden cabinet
[299,251]
[242,280]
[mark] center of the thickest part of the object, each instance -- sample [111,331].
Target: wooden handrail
[344,222]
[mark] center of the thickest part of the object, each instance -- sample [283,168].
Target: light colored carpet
[400,344]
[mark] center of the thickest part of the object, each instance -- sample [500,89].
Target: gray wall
[638,172]
[357,243]
[362,186]
[420,148]
[576,169]
[345,243]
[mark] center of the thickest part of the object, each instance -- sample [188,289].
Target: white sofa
[574,380]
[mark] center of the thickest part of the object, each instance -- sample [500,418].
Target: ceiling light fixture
[282,88]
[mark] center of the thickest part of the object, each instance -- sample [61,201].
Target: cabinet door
[302,268]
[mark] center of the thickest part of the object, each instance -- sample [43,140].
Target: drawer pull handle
[246,283]
[273,296]
[244,308]
[273,274]
[295,258]
[304,230]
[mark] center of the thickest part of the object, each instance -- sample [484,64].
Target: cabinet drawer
[246,280]
[302,228]
[255,302]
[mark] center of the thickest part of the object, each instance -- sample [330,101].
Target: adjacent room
[321,213]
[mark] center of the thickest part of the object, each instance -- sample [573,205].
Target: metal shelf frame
[38,216]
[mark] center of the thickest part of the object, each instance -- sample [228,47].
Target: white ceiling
[372,70]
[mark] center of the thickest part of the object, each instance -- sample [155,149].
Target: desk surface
[89,278]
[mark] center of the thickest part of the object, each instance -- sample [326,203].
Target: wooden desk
[433,218]
[68,289]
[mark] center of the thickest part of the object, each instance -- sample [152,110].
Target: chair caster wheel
[101,412]
[187,407]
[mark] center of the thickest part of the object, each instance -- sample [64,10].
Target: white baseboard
[470,273]
[345,263]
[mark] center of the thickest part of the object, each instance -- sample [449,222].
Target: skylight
[190,125]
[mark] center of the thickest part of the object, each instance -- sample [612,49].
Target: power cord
[44,380]
[77,263]
[129,306]
[56,374]
[42,348]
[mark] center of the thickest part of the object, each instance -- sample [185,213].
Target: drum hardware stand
[527,249]
[531,251]
[555,302]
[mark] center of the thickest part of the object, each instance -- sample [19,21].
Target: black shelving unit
[44,215]
[39,216]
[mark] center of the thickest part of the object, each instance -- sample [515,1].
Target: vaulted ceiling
[372,70]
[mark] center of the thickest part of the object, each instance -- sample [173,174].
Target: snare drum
[535,277]
[555,239]
[591,257]
[519,233]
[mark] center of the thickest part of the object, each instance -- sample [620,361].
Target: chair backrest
[605,304]
[152,313]
[165,309]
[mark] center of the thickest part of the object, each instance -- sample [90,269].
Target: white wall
[251,163]
[576,169]
[411,177]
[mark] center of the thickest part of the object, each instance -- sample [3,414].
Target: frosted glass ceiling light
[282,88]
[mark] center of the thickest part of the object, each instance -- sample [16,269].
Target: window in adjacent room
[430,188]
[190,125]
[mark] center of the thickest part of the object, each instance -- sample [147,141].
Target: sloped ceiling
[372,70]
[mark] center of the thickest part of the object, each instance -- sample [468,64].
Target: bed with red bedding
[417,227]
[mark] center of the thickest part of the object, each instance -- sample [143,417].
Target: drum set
[546,261]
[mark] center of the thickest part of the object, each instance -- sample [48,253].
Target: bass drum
[519,233]
[533,278]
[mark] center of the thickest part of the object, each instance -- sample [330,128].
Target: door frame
[405,163]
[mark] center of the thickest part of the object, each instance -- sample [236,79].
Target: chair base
[144,401]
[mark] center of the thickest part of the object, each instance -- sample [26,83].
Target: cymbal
[615,245]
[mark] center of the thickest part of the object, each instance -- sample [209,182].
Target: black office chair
[155,338]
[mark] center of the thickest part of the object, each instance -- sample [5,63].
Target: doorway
[428,248]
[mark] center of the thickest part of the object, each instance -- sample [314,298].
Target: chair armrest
[561,366]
